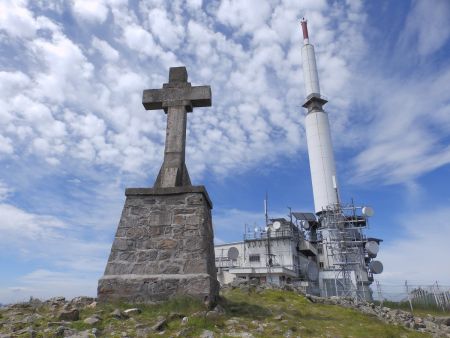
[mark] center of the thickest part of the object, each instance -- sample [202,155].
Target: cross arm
[198,96]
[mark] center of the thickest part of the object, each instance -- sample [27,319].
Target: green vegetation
[268,313]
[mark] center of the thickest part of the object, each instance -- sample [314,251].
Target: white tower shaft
[318,136]
[310,70]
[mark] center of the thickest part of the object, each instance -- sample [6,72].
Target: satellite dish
[306,225]
[372,248]
[276,225]
[376,267]
[312,271]
[256,229]
[368,211]
[233,253]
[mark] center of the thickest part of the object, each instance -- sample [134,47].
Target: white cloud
[256,85]
[5,191]
[108,52]
[168,32]
[421,253]
[426,27]
[247,16]
[91,11]
[405,139]
[6,145]
[17,20]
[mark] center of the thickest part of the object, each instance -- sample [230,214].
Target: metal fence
[413,294]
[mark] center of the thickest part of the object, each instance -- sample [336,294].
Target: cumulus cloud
[17,20]
[90,11]
[86,105]
[105,49]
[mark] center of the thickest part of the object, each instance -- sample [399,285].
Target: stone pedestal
[163,247]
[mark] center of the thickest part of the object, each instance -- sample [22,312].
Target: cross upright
[176,98]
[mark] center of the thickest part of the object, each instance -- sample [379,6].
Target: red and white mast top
[304,24]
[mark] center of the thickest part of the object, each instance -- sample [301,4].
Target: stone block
[163,247]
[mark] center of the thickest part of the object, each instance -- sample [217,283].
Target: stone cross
[177,98]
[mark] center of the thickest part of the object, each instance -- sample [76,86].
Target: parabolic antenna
[312,271]
[276,225]
[256,229]
[305,225]
[368,211]
[372,248]
[376,267]
[233,253]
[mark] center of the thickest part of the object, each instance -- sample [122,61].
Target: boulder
[71,314]
[92,320]
[119,314]
[160,324]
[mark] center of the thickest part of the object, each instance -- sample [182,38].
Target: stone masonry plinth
[163,247]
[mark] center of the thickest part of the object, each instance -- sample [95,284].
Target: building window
[254,258]
[321,265]
[319,250]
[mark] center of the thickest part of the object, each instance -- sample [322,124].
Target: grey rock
[60,331]
[29,331]
[446,321]
[184,320]
[57,300]
[119,314]
[219,309]
[160,324]
[72,315]
[81,302]
[144,332]
[92,320]
[185,332]
[82,334]
[133,311]
[278,317]
[213,315]
[207,334]
[231,322]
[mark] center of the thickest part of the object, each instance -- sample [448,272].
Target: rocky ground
[243,311]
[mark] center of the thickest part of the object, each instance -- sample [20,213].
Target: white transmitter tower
[345,254]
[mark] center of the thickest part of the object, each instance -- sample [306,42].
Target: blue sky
[74,134]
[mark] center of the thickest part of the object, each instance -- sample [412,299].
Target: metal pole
[436,293]
[380,295]
[409,298]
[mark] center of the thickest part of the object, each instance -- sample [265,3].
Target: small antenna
[266,208]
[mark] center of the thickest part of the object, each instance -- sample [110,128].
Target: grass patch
[270,313]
